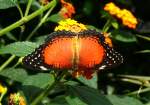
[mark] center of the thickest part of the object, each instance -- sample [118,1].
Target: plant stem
[9,35]
[107,25]
[28,7]
[18,62]
[19,9]
[48,89]
[141,91]
[7,62]
[26,18]
[41,22]
[138,82]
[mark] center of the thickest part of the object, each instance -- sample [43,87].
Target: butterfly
[84,50]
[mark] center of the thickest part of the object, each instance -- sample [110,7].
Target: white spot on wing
[102,67]
[43,68]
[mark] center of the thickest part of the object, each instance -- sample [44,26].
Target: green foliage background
[24,24]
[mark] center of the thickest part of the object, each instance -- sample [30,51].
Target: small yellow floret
[70,25]
[3,89]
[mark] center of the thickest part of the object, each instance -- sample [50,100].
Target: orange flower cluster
[125,15]
[67,9]
[16,99]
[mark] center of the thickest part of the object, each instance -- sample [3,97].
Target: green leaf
[14,1]
[115,24]
[10,36]
[41,39]
[144,37]
[91,83]
[88,95]
[74,101]
[55,18]
[35,84]
[123,100]
[6,4]
[143,51]
[18,48]
[40,80]
[93,28]
[105,14]
[59,100]
[123,36]
[17,74]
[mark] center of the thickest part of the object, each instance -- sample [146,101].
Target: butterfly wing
[112,58]
[35,60]
[54,44]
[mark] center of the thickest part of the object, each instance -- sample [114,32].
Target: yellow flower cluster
[70,25]
[2,89]
[125,15]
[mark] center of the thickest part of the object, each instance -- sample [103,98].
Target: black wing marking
[112,59]
[35,60]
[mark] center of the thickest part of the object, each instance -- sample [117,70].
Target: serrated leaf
[123,36]
[6,4]
[35,84]
[18,48]
[89,95]
[91,83]
[40,80]
[55,18]
[17,74]
[123,100]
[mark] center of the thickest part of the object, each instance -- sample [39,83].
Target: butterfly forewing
[112,59]
[35,60]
